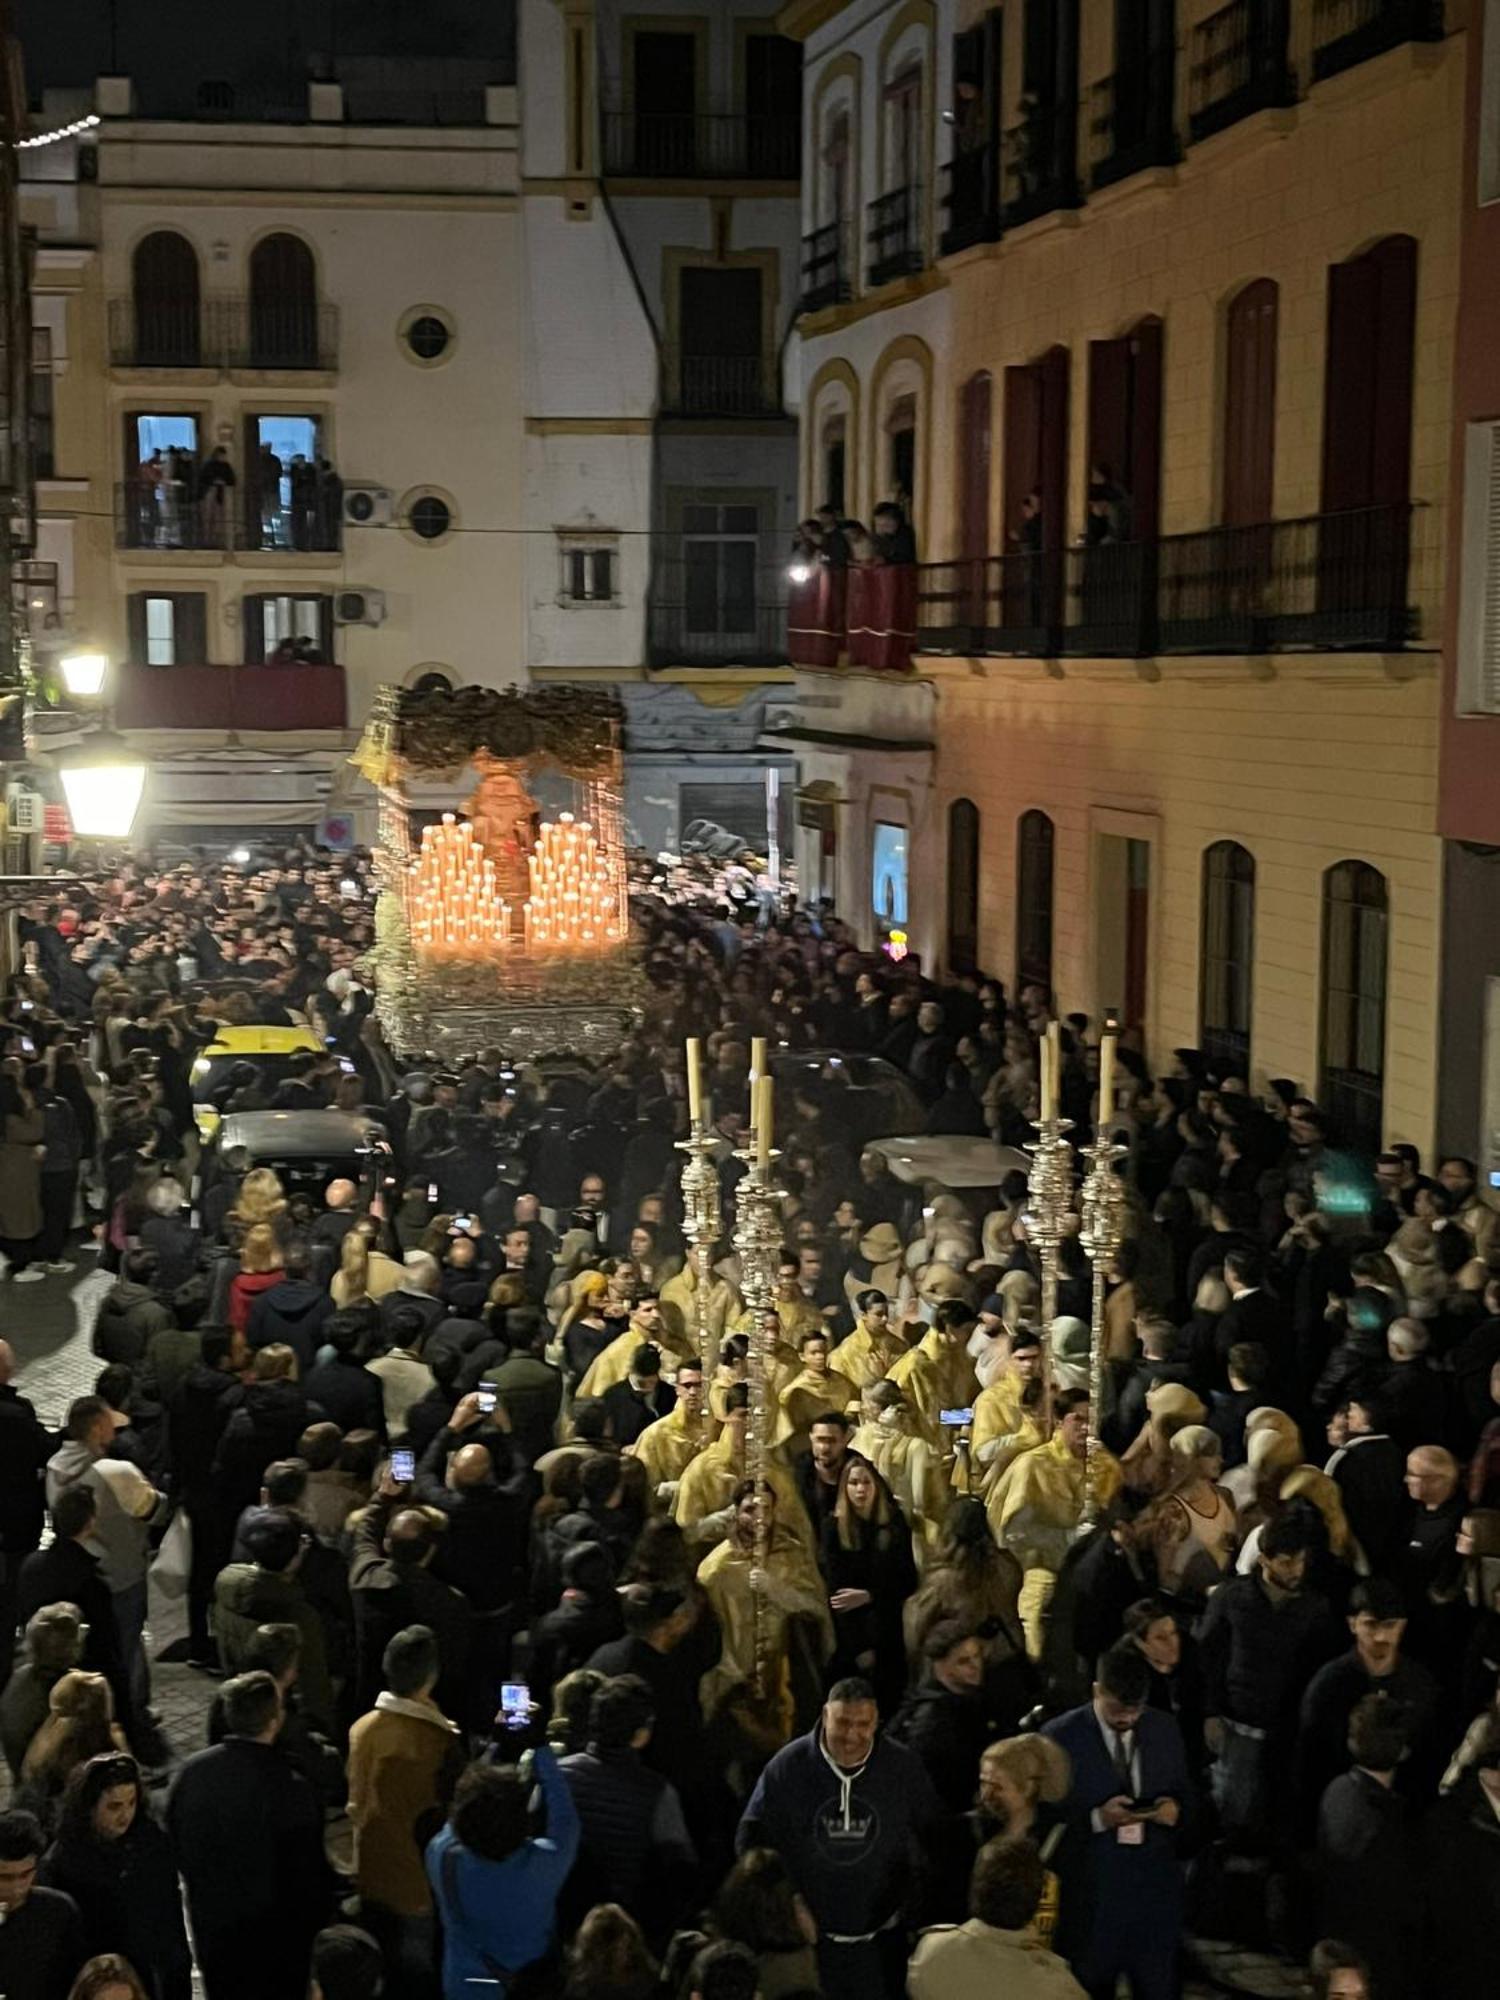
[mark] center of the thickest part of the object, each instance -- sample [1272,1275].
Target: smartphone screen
[956,1418]
[515,1704]
[432,1190]
[403,1465]
[486,1397]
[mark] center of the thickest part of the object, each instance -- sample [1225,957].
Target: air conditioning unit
[359,607]
[25,810]
[367,506]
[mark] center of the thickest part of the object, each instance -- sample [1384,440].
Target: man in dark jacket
[267,1417]
[392,1584]
[196,1418]
[1461,1847]
[671,1640]
[1368,1853]
[67,1572]
[947,1720]
[344,1387]
[266,1590]
[130,1311]
[631,1829]
[530,1388]
[1369,1468]
[248,1830]
[483,1552]
[293,1311]
[641,1398]
[587,1617]
[42,1943]
[849,1815]
[25,1448]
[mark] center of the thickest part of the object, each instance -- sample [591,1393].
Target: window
[773,107]
[429,517]
[1249,447]
[1034,853]
[283,304]
[665,78]
[903,129]
[720,555]
[1356,915]
[165,288]
[837,186]
[901,460]
[1479,576]
[428,337]
[43,455]
[589,572]
[1226,955]
[963,886]
[888,874]
[835,463]
[291,500]
[720,338]
[302,623]
[167,629]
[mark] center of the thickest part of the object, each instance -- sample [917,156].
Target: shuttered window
[1479,597]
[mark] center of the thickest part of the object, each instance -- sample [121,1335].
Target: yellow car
[274,1052]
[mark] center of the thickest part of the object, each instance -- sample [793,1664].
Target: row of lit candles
[1049,1051]
[451,894]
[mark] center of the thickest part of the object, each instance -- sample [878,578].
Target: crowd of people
[175,500]
[450,1466]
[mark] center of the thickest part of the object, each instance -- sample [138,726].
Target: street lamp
[102,782]
[83,674]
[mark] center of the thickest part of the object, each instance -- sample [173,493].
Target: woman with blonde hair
[108,1977]
[867,1563]
[260,1269]
[1191,1528]
[1308,1486]
[364,1273]
[80,1724]
[1273,1446]
[1148,1464]
[973,1578]
[261,1199]
[1020,1777]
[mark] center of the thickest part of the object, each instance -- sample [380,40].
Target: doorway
[282,455]
[1122,926]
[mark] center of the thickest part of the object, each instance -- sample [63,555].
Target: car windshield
[210,1077]
[310,1174]
[859,1097]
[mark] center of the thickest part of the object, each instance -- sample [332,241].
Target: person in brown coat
[405,1757]
[22,1130]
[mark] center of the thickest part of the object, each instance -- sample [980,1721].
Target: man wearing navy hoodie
[849,1817]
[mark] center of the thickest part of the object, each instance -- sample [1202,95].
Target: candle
[695,1081]
[757,1058]
[763,1120]
[1106,1080]
[1048,1079]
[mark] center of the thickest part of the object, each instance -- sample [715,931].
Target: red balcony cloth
[882,606]
[815,618]
[249,697]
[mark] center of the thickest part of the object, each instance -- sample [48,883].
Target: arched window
[168,314]
[963,886]
[1034,844]
[1226,956]
[1356,915]
[283,304]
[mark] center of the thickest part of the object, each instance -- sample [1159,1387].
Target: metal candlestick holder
[1049,1202]
[757,1239]
[702,1221]
[1102,1204]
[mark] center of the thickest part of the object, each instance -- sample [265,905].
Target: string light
[63,132]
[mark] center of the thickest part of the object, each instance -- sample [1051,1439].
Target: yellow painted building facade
[1306,758]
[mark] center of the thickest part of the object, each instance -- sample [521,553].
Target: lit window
[161,632]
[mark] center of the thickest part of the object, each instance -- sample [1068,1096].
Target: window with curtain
[1356,919]
[963,885]
[1226,955]
[1035,841]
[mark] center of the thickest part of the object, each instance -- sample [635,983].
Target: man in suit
[1254,1315]
[1130,1793]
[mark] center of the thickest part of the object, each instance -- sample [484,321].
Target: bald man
[24,1451]
[460,1476]
[327,1233]
[1428,1568]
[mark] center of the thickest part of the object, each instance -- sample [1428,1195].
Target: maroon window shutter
[1109,407]
[1395,266]
[1249,475]
[1142,472]
[1053,452]
[1022,442]
[1349,384]
[974,468]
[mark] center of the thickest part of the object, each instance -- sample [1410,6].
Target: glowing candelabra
[577,901]
[451,898]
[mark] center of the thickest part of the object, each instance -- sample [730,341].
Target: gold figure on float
[505,817]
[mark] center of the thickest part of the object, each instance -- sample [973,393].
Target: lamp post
[102,778]
[83,674]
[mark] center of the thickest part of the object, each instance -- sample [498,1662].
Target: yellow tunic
[668,1447]
[679,1298]
[864,1359]
[809,1395]
[613,1365]
[1036,1510]
[797,1315]
[793,1589]
[934,1376]
[708,1484]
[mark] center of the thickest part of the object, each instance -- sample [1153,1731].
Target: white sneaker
[60,1267]
[32,1275]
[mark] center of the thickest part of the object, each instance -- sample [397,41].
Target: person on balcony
[895,539]
[216,482]
[268,492]
[834,549]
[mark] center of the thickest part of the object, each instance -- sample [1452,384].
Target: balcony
[703,145]
[896,234]
[220,333]
[970,199]
[827,266]
[716,385]
[154,516]
[1347,32]
[1363,581]
[717,602]
[230,698]
[1237,65]
[1039,164]
[1130,122]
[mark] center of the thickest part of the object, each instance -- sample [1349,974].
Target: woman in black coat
[868,1566]
[117,1864]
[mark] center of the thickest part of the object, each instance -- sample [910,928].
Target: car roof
[290,1135]
[261,1041]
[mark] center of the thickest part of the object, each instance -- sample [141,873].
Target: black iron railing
[1346,32]
[827,266]
[1039,163]
[1364,580]
[168,513]
[716,385]
[1130,123]
[222,333]
[737,629]
[896,234]
[1237,65]
[970,199]
[703,145]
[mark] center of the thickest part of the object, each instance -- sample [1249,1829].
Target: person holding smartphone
[1122,1903]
